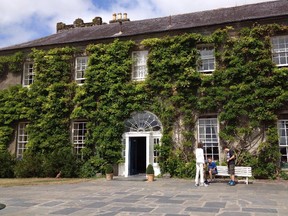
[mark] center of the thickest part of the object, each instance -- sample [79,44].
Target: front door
[137,155]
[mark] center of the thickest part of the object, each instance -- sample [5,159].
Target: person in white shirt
[199,165]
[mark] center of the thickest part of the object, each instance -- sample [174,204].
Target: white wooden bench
[240,171]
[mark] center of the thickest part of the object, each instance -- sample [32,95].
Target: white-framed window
[78,135]
[283,140]
[22,139]
[81,64]
[139,66]
[28,74]
[156,154]
[280,50]
[208,135]
[207,62]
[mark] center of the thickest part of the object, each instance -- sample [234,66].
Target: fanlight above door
[143,122]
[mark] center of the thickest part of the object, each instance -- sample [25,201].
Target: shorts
[214,172]
[231,169]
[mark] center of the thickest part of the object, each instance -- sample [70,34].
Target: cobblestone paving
[163,197]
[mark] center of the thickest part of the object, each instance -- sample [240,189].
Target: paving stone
[24,204]
[132,209]
[215,204]
[96,205]
[229,213]
[66,211]
[176,215]
[107,213]
[170,201]
[124,200]
[168,209]
[264,210]
[199,209]
[52,203]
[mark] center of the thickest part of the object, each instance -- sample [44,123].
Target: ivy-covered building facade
[133,93]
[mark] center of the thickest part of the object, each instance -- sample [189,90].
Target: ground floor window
[78,133]
[283,141]
[208,135]
[22,139]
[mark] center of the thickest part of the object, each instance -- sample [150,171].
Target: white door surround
[141,125]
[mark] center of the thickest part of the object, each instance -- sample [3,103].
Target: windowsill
[138,80]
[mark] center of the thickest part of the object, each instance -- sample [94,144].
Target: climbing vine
[246,90]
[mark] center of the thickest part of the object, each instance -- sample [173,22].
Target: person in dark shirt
[230,158]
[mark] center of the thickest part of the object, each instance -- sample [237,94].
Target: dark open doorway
[137,155]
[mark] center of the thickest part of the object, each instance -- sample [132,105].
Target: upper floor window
[139,68]
[22,139]
[78,135]
[208,135]
[28,74]
[207,63]
[280,50]
[283,141]
[80,68]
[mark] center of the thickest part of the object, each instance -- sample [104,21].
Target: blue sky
[26,20]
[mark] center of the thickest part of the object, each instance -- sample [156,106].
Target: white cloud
[24,20]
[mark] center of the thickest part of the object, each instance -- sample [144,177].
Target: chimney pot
[119,16]
[114,16]
[125,16]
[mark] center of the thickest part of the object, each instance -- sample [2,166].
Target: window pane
[79,132]
[80,68]
[139,68]
[22,139]
[280,50]
[208,135]
[207,59]
[283,139]
[28,74]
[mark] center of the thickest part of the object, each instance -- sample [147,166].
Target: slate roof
[162,24]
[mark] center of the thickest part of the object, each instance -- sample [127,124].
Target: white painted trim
[149,150]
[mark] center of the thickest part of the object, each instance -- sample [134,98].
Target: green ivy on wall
[246,90]
[12,63]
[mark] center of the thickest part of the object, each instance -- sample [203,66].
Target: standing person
[230,158]
[199,165]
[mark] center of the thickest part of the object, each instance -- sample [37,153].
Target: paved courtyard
[164,197]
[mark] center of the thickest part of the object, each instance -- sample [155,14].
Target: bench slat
[240,171]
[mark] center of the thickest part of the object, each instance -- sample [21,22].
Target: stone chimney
[119,18]
[78,23]
[97,21]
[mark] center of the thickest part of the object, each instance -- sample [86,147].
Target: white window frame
[280,50]
[156,153]
[79,130]
[81,65]
[283,139]
[139,66]
[22,139]
[207,56]
[208,134]
[28,74]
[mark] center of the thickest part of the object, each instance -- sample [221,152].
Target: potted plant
[150,173]
[109,172]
